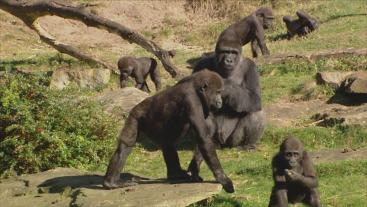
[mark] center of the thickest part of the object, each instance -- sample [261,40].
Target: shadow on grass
[334,17]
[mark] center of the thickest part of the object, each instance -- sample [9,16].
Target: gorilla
[251,28]
[294,176]
[241,121]
[301,26]
[139,68]
[165,118]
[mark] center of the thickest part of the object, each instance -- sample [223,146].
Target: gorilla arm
[308,179]
[206,145]
[245,97]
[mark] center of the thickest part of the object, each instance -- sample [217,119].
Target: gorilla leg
[313,198]
[278,198]
[142,86]
[174,170]
[194,167]
[155,75]
[249,131]
[126,140]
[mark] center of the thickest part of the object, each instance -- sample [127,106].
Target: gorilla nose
[218,104]
[228,61]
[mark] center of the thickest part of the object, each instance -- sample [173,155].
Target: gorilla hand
[292,175]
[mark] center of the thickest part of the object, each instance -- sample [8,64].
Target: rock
[120,101]
[72,187]
[333,79]
[356,83]
[84,78]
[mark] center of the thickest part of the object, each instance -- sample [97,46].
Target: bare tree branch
[29,12]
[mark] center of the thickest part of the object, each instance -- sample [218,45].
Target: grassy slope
[250,171]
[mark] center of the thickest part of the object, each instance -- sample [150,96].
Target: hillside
[43,128]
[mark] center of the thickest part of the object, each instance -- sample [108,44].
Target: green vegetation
[41,128]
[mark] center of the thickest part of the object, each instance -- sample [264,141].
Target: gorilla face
[268,21]
[216,99]
[292,157]
[123,79]
[227,58]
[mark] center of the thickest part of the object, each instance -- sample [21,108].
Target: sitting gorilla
[241,121]
[251,28]
[167,117]
[294,176]
[139,68]
[301,26]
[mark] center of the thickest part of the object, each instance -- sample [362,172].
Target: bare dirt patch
[338,155]
[314,112]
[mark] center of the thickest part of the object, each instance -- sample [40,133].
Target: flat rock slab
[339,154]
[71,187]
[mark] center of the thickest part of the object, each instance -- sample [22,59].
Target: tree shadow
[60,184]
[334,17]
[346,99]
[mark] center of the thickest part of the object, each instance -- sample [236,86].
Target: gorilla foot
[196,179]
[227,185]
[118,184]
[180,176]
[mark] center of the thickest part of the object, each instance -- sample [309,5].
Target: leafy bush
[42,129]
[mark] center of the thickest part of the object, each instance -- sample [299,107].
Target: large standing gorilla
[165,118]
[241,120]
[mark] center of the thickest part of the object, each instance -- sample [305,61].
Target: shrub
[42,129]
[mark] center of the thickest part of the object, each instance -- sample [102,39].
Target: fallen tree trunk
[29,12]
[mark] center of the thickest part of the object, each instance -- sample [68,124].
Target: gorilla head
[209,86]
[292,152]
[227,55]
[265,16]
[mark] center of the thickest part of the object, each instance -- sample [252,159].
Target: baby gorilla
[165,118]
[294,176]
[139,68]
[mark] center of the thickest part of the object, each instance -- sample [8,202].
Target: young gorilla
[301,26]
[165,118]
[294,176]
[241,121]
[139,68]
[251,28]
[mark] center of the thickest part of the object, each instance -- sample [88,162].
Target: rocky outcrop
[84,78]
[71,187]
[356,83]
[120,101]
[333,79]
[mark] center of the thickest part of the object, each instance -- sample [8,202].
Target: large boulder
[62,187]
[119,102]
[356,83]
[84,78]
[333,79]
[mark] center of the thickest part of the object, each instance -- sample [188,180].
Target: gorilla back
[167,116]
